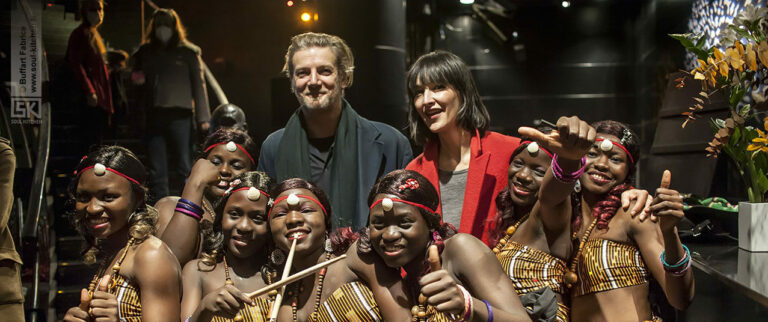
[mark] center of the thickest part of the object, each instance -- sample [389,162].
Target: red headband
[540,148]
[629,155]
[113,171]
[238,146]
[418,205]
[249,188]
[269,215]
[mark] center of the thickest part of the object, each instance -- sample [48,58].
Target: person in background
[85,55]
[228,116]
[326,141]
[11,299]
[118,78]
[169,70]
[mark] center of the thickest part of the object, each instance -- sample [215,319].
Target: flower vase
[753,226]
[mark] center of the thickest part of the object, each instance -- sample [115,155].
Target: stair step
[74,273]
[68,248]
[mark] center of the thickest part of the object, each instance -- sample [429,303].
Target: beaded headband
[232,147]
[100,169]
[387,204]
[606,147]
[534,147]
[293,199]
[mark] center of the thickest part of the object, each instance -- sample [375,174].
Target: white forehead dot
[99,169]
[387,204]
[606,145]
[533,148]
[231,146]
[254,194]
[293,199]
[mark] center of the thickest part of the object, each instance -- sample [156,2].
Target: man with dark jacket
[326,141]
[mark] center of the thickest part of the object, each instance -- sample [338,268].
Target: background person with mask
[85,55]
[169,70]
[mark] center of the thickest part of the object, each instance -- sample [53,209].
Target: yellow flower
[739,47]
[718,54]
[750,57]
[759,144]
[732,56]
[762,52]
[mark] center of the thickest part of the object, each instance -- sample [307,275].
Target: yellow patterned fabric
[562,312]
[435,316]
[250,313]
[607,265]
[128,299]
[350,302]
[531,269]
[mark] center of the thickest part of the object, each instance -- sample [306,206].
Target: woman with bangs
[613,254]
[302,212]
[138,278]
[225,154]
[465,162]
[234,259]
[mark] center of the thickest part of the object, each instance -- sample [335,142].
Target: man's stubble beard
[325,103]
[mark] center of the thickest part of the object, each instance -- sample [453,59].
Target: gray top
[452,185]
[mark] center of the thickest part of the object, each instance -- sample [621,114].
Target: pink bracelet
[468,312]
[563,177]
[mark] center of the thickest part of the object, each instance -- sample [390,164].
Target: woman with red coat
[85,54]
[462,159]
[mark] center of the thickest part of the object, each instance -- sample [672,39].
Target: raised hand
[571,140]
[79,313]
[104,305]
[667,206]
[440,288]
[226,302]
[204,173]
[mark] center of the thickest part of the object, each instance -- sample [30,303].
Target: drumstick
[286,272]
[294,277]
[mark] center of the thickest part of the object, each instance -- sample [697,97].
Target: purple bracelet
[490,310]
[191,204]
[564,177]
[188,207]
[189,213]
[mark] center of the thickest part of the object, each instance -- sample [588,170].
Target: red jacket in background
[486,178]
[89,68]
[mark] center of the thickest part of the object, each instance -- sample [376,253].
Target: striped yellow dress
[607,265]
[350,302]
[531,269]
[250,313]
[128,299]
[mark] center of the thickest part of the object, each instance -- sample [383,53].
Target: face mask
[93,18]
[163,33]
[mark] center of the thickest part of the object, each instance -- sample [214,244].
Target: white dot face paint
[606,145]
[231,146]
[533,148]
[387,204]
[292,200]
[254,194]
[99,169]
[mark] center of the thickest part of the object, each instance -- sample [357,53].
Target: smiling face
[604,169]
[230,164]
[525,174]
[400,236]
[304,221]
[437,105]
[105,202]
[244,224]
[316,80]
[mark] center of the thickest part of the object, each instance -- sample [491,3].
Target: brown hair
[345,61]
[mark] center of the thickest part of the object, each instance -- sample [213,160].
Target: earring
[277,257]
[328,245]
[577,186]
[130,218]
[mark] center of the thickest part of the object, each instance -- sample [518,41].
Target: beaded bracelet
[686,258]
[191,204]
[564,177]
[468,311]
[490,310]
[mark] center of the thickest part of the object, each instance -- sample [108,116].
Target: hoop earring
[131,216]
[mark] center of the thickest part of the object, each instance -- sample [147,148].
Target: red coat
[487,176]
[89,69]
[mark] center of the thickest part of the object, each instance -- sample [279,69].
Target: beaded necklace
[272,293]
[318,294]
[570,276]
[115,271]
[208,209]
[508,234]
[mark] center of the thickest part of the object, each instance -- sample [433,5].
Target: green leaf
[742,32]
[684,39]
[701,41]
[761,182]
[744,110]
[720,123]
[700,53]
[736,95]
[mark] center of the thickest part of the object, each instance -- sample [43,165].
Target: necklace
[115,271]
[208,209]
[272,294]
[570,276]
[510,231]
[318,293]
